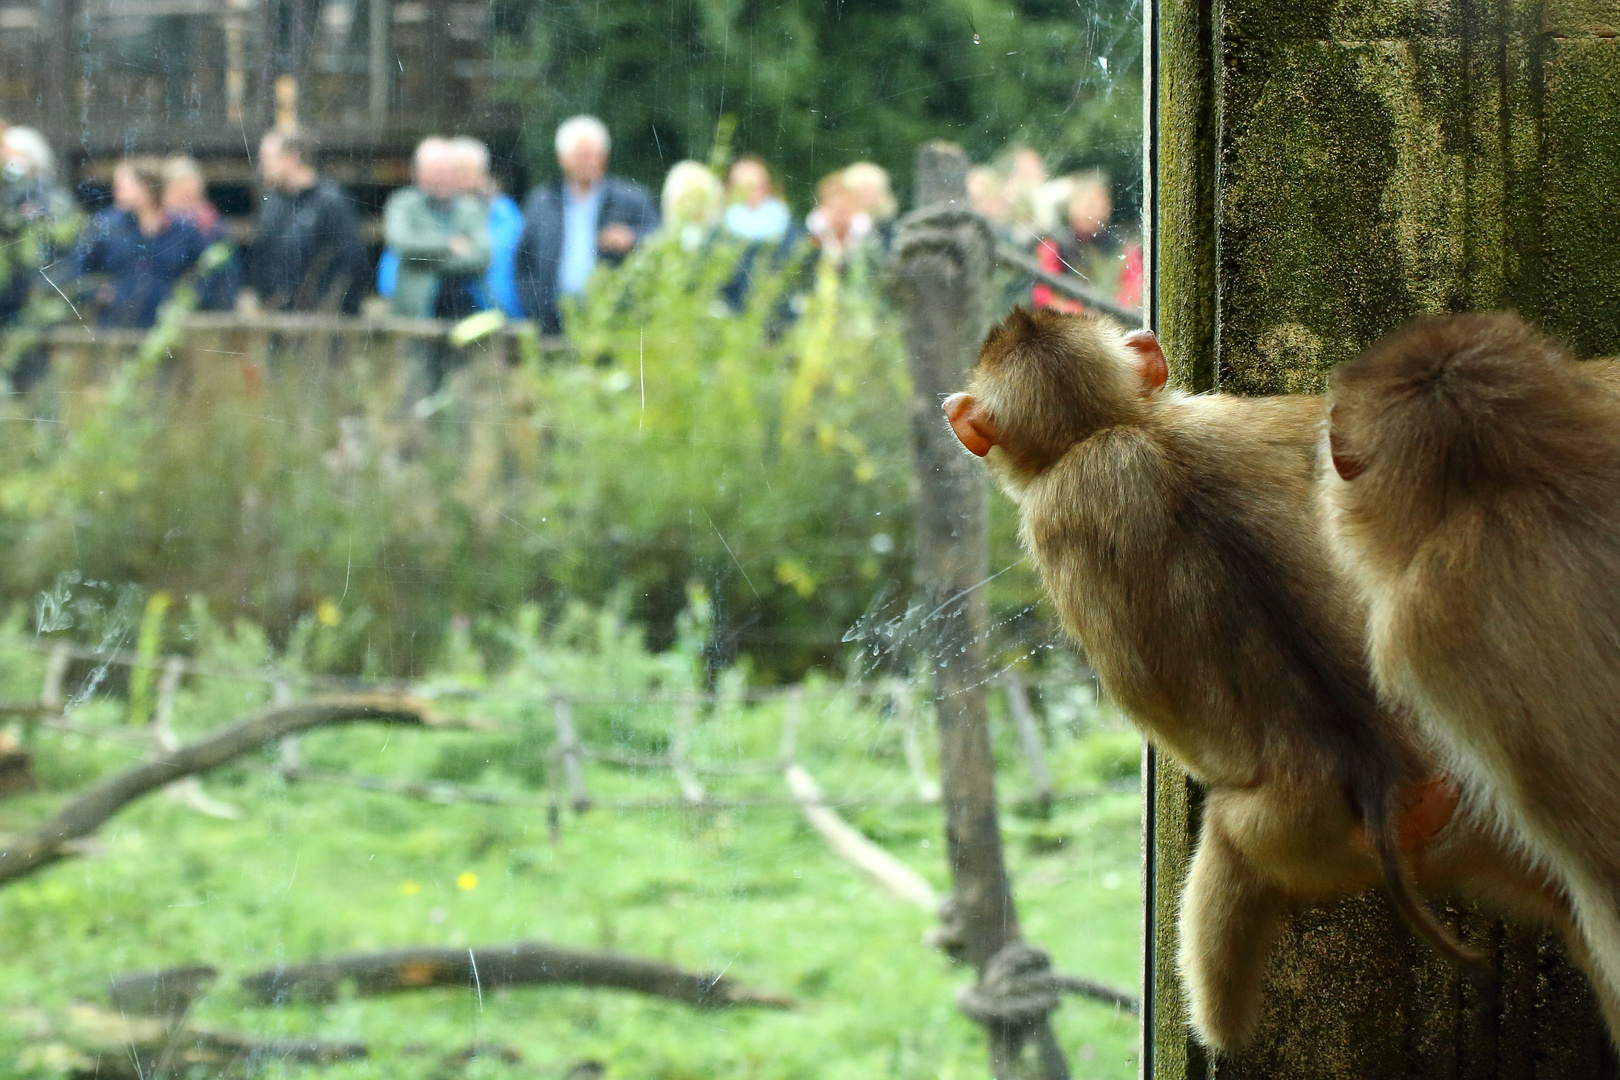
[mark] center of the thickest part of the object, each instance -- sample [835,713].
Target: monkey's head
[1046,380]
[1446,408]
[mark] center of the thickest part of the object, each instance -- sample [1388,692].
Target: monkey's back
[1503,629]
[1182,555]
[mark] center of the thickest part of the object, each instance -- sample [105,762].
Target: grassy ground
[314,869]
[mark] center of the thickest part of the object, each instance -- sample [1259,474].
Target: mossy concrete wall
[1320,171]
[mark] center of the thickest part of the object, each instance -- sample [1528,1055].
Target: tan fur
[1483,530]
[1177,537]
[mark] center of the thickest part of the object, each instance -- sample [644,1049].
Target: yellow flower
[326,613]
[467,881]
[793,573]
[410,888]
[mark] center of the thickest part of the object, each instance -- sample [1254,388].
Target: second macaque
[1474,498]
[1177,537]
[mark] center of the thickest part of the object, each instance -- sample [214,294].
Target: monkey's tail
[1382,828]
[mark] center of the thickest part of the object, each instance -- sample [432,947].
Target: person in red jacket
[1089,247]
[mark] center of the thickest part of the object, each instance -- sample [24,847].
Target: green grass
[314,869]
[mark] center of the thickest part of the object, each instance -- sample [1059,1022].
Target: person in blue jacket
[141,249]
[497,290]
[581,218]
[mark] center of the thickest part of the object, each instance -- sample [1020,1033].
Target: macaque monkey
[1177,537]
[1474,500]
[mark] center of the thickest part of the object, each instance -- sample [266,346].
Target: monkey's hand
[1426,808]
[1229,917]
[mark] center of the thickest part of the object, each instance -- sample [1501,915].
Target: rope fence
[176,768]
[568,752]
[51,711]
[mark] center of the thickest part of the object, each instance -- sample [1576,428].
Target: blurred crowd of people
[1069,221]
[455,244]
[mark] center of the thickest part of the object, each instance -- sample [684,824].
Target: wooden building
[105,78]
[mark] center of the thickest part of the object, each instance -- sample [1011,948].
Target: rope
[1017,989]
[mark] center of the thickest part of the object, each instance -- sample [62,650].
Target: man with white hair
[571,224]
[470,159]
[442,238]
[37,217]
[38,222]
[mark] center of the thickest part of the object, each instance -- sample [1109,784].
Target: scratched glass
[459,613]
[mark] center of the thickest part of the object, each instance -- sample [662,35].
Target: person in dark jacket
[141,249]
[38,220]
[306,254]
[572,224]
[38,224]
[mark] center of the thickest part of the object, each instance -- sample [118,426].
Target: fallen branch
[882,868]
[93,1042]
[524,963]
[24,854]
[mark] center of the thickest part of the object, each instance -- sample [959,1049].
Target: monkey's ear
[973,426]
[1344,464]
[1150,365]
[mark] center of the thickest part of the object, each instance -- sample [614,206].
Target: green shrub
[681,444]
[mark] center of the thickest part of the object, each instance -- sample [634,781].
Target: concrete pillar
[1319,171]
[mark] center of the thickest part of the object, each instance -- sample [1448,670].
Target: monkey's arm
[1229,918]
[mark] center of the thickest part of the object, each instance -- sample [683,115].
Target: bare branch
[22,855]
[1081,986]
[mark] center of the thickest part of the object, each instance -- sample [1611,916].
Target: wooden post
[906,712]
[568,752]
[288,761]
[187,790]
[378,13]
[50,693]
[1029,738]
[792,716]
[56,665]
[235,26]
[943,257]
[691,790]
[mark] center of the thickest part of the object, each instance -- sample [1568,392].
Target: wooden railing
[81,353]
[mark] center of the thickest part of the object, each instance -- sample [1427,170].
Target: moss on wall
[1325,170]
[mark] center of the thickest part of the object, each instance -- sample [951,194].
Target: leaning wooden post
[943,254]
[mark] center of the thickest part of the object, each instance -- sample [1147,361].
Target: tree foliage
[815,84]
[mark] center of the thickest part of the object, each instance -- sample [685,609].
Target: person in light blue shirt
[756,213]
[574,222]
[580,212]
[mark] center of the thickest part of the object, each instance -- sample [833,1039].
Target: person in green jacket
[442,237]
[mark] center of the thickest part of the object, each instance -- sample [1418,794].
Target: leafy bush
[680,444]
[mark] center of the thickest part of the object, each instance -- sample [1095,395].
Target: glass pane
[457,483]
